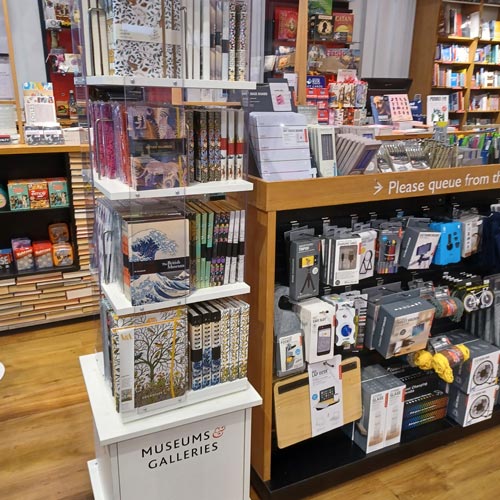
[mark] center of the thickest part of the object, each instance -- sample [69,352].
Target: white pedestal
[201,451]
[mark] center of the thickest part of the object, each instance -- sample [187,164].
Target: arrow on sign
[378,187]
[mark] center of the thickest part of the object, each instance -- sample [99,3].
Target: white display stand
[201,451]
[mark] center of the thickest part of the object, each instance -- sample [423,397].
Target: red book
[343,27]
[285,20]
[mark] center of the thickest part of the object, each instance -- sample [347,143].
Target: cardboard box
[481,369]
[469,409]
[403,327]
[382,417]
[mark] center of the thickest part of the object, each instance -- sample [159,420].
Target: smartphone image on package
[324,339]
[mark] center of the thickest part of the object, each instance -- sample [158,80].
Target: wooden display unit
[55,294]
[426,37]
[294,472]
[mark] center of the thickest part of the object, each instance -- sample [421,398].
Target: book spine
[169,49]
[225,41]
[207,351]
[196,350]
[217,146]
[229,248]
[190,146]
[234,249]
[189,9]
[234,340]
[223,145]
[215,247]
[244,332]
[225,344]
[95,42]
[218,40]
[231,146]
[216,346]
[240,144]
[232,41]
[205,40]
[241,41]
[210,249]
[212,154]
[127,377]
[115,343]
[203,259]
[213,30]
[178,48]
[202,150]
[223,261]
[241,250]
[198,250]
[196,74]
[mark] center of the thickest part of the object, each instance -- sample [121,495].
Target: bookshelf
[440,56]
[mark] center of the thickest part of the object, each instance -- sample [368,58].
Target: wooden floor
[46,433]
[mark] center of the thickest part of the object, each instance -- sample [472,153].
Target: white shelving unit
[129,453]
[122,305]
[116,190]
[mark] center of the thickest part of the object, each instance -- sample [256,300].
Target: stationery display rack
[329,459]
[167,139]
[445,61]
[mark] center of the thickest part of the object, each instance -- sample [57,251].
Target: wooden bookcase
[36,297]
[319,463]
[426,37]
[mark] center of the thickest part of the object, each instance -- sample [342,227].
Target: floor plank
[46,435]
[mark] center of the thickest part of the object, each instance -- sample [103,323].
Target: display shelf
[329,191]
[115,190]
[485,88]
[443,87]
[458,112]
[140,81]
[494,42]
[121,305]
[483,111]
[112,429]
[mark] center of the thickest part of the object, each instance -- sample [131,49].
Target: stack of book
[452,53]
[444,77]
[149,146]
[217,243]
[146,38]
[215,145]
[218,340]
[154,359]
[280,145]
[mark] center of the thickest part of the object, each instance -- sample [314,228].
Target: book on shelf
[128,40]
